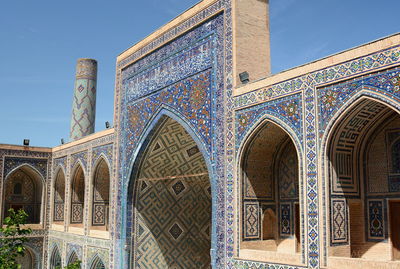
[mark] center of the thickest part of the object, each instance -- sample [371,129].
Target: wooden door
[297,226]
[394,211]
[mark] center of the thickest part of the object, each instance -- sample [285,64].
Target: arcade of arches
[172,202]
[99,202]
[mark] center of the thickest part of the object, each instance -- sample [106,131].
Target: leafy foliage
[12,240]
[75,265]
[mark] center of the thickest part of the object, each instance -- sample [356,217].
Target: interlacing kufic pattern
[173,203]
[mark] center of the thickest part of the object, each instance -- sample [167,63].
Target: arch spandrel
[13,163]
[334,100]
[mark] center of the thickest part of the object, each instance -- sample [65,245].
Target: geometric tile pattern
[346,141]
[252,221]
[173,209]
[376,223]
[339,221]
[84,103]
[285,216]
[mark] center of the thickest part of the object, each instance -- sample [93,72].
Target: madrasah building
[213,162]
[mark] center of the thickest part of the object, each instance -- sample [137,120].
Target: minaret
[84,102]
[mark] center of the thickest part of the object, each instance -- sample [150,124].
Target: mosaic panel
[339,221]
[190,96]
[285,219]
[376,223]
[251,221]
[11,163]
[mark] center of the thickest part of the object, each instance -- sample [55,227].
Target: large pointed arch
[356,154]
[148,137]
[23,189]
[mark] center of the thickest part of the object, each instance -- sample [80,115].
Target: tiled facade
[312,151]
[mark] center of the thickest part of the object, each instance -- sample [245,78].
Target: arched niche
[169,201]
[364,183]
[97,264]
[73,257]
[55,258]
[59,196]
[270,214]
[23,189]
[27,261]
[101,195]
[77,196]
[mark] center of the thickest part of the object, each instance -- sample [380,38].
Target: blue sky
[41,40]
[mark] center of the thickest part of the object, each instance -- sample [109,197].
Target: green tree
[75,265]
[13,237]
